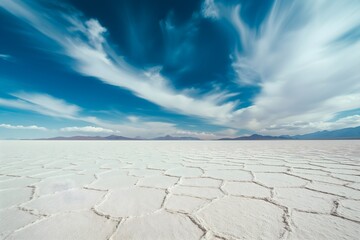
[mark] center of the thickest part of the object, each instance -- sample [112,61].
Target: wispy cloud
[303,56]
[201,135]
[54,107]
[86,129]
[85,42]
[209,9]
[21,127]
[41,103]
[6,57]
[299,127]
[133,119]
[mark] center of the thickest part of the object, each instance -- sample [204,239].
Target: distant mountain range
[168,137]
[257,137]
[111,137]
[345,133]
[116,137]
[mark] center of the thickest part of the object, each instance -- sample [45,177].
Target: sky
[206,69]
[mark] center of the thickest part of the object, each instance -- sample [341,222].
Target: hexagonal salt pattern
[159,225]
[180,190]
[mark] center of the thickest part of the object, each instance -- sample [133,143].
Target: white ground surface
[180,190]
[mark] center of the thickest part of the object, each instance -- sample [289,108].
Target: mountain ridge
[343,133]
[257,137]
[115,138]
[339,134]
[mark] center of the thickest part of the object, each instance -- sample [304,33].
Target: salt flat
[180,190]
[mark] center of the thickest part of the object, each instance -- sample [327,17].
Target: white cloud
[350,121]
[95,33]
[209,9]
[229,132]
[47,105]
[197,134]
[304,61]
[43,104]
[300,57]
[85,43]
[50,106]
[145,129]
[300,127]
[6,57]
[87,129]
[21,127]
[133,119]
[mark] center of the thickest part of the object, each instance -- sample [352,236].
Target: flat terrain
[180,190]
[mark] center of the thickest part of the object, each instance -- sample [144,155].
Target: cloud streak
[303,56]
[41,103]
[21,127]
[84,41]
[86,129]
[6,57]
[131,126]
[209,9]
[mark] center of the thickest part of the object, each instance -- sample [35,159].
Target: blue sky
[183,67]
